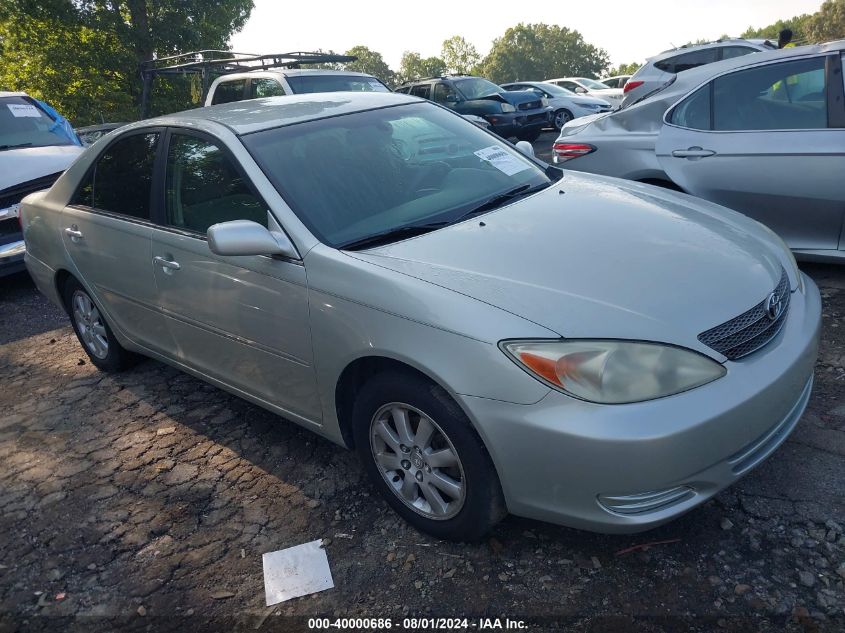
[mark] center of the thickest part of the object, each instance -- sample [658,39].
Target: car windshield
[355,176]
[593,85]
[302,84]
[558,91]
[24,124]
[476,88]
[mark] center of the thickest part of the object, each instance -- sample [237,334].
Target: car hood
[28,163]
[599,257]
[589,101]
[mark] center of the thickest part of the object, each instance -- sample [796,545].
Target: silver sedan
[489,334]
[763,134]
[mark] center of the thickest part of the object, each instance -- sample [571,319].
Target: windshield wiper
[18,146]
[500,199]
[392,235]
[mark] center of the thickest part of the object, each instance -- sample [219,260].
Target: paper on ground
[296,571]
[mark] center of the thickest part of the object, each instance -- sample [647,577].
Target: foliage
[83,56]
[370,62]
[798,24]
[541,51]
[825,25]
[413,66]
[623,69]
[459,56]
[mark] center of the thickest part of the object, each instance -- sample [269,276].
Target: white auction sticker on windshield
[501,160]
[24,110]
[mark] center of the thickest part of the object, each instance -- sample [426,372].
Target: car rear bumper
[628,468]
[12,257]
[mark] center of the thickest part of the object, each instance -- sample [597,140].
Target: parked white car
[660,70]
[566,104]
[617,81]
[762,134]
[35,148]
[590,87]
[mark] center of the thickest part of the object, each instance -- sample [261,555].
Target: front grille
[16,193]
[531,105]
[751,330]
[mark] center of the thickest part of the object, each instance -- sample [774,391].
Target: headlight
[613,372]
[507,107]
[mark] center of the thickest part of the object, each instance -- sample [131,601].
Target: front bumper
[520,122]
[628,468]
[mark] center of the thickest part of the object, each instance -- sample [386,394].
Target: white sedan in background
[566,104]
[590,87]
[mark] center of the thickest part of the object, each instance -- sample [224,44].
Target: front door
[763,142]
[240,320]
[106,230]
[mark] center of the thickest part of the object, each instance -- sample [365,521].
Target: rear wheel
[93,332]
[423,455]
[561,117]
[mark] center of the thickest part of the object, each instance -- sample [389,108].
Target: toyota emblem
[773,306]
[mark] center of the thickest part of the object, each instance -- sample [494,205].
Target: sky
[629,30]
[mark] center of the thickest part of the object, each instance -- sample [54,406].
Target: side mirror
[580,90]
[244,237]
[526,148]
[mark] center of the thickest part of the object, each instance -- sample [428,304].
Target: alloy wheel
[418,461]
[562,118]
[89,323]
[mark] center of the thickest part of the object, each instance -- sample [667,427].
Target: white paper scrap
[502,160]
[296,571]
[24,110]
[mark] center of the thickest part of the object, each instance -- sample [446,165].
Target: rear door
[768,141]
[106,231]
[240,320]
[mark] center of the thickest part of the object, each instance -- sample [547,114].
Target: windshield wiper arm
[392,235]
[17,146]
[500,199]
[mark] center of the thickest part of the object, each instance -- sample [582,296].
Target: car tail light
[631,85]
[568,151]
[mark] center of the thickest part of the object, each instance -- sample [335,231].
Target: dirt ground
[145,500]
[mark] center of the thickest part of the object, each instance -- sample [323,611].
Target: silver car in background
[589,87]
[565,104]
[489,334]
[763,134]
[660,70]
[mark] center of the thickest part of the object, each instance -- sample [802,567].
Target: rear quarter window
[229,91]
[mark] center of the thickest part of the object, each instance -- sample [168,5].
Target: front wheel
[561,118]
[421,452]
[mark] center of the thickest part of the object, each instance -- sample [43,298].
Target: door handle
[693,152]
[166,263]
[73,232]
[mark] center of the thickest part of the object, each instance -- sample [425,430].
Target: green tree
[413,66]
[542,51]
[460,56]
[828,23]
[370,62]
[798,24]
[623,69]
[83,56]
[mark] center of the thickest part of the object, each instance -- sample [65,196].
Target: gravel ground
[145,500]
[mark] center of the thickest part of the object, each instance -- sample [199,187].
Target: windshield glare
[557,91]
[24,124]
[593,85]
[358,175]
[302,84]
[475,87]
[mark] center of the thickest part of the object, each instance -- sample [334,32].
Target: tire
[92,330]
[470,509]
[530,135]
[561,117]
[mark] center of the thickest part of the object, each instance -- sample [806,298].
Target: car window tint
[266,88]
[444,93]
[229,91]
[685,61]
[302,84]
[729,52]
[421,91]
[203,187]
[783,96]
[694,111]
[121,179]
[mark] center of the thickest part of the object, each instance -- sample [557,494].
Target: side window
[265,87]
[729,52]
[694,111]
[569,85]
[229,91]
[686,61]
[782,96]
[445,94]
[202,187]
[403,90]
[122,177]
[423,90]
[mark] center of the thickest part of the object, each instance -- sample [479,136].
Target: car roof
[291,72]
[252,115]
[699,47]
[692,78]
[4,93]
